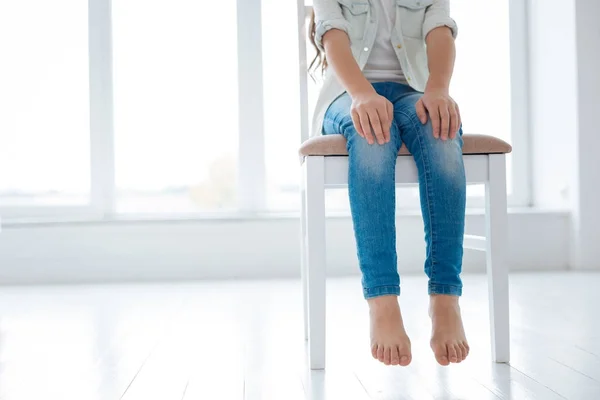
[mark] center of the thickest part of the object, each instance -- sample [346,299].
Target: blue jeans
[371,181]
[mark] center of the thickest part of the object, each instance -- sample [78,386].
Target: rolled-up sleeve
[438,14]
[328,15]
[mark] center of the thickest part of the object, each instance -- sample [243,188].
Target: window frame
[520,104]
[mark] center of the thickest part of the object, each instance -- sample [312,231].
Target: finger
[356,122]
[366,128]
[385,124]
[434,115]
[453,122]
[421,112]
[376,125]
[459,117]
[390,110]
[445,117]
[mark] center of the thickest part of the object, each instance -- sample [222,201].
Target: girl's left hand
[443,111]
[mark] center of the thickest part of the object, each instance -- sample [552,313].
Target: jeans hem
[387,290]
[435,288]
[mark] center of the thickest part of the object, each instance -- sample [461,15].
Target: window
[130,107]
[44,117]
[282,118]
[485,107]
[175,96]
[123,107]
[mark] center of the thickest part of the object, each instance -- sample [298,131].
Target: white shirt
[383,64]
[414,20]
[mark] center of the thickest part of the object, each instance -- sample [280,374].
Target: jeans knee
[445,155]
[449,160]
[373,159]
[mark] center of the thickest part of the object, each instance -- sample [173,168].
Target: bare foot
[448,340]
[389,342]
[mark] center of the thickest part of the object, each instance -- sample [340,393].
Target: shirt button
[366,49]
[399,46]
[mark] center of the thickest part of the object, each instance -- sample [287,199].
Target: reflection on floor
[243,340]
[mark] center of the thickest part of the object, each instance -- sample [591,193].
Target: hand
[372,114]
[443,111]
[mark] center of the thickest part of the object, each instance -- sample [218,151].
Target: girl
[387,66]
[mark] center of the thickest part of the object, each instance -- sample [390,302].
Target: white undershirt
[383,64]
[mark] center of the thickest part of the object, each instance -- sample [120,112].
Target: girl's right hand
[372,114]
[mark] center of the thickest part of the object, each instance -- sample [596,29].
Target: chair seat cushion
[335,145]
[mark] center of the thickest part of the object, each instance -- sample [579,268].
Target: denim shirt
[414,20]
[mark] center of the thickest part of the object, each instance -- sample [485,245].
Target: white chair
[325,165]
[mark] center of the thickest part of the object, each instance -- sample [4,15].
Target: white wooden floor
[243,340]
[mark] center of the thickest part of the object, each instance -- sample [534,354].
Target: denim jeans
[371,181]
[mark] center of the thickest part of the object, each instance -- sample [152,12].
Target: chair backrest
[303,15]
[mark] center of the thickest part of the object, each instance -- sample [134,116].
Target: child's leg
[442,187]
[372,199]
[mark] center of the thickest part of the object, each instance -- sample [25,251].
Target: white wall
[148,251]
[565,104]
[585,202]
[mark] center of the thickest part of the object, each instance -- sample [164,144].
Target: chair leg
[314,170]
[303,263]
[497,268]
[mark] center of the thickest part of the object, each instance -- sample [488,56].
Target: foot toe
[452,356]
[405,360]
[387,356]
[459,353]
[441,354]
[405,355]
[442,360]
[464,351]
[374,351]
[395,356]
[380,350]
